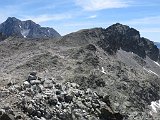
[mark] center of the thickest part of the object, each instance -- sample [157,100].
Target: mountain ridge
[113,38]
[99,74]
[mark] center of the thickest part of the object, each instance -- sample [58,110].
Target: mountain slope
[27,29]
[2,36]
[117,73]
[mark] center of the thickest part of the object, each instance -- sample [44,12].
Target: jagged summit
[27,29]
[12,19]
[122,29]
[123,37]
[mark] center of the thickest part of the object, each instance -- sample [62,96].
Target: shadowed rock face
[27,29]
[151,50]
[123,37]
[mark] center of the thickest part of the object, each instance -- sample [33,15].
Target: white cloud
[45,17]
[94,5]
[92,16]
[151,30]
[46,7]
[146,20]
[86,24]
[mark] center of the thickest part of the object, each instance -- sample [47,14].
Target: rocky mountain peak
[31,23]
[118,28]
[11,19]
[123,37]
[27,29]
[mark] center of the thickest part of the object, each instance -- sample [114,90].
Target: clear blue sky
[71,15]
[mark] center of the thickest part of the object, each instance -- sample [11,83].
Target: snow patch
[157,63]
[25,32]
[49,32]
[20,26]
[101,58]
[155,105]
[103,71]
[150,71]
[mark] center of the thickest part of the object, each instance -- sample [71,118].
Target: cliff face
[123,37]
[27,29]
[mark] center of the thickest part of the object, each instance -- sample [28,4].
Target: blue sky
[71,15]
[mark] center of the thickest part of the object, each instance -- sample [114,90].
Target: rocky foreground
[43,99]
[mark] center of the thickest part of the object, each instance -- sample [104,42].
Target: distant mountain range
[157,44]
[27,29]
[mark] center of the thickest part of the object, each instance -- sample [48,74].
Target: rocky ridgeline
[44,99]
[114,38]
